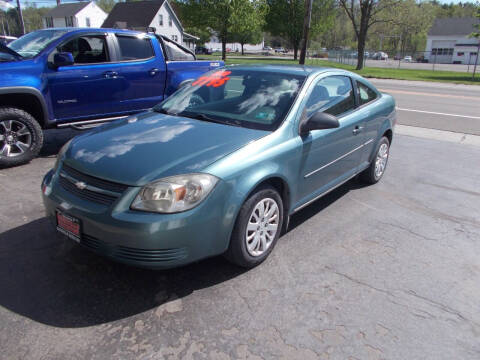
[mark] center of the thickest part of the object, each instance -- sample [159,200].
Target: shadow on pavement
[51,280]
[55,138]
[55,282]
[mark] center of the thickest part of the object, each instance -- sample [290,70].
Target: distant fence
[444,59]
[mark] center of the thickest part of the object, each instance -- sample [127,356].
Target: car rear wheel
[377,167]
[257,228]
[21,137]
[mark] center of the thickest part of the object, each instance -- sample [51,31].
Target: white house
[449,41]
[148,15]
[80,14]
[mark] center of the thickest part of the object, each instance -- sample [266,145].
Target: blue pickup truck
[78,77]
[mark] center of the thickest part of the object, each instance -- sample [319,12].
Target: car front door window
[89,49]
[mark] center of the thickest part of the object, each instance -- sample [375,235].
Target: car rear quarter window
[365,93]
[134,48]
[176,53]
[333,95]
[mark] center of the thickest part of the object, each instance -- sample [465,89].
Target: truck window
[88,49]
[176,53]
[134,48]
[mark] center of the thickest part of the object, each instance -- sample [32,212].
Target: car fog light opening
[175,193]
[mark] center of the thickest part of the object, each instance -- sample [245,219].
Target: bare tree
[363,14]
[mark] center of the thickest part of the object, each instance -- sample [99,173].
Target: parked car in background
[380,55]
[72,76]
[203,50]
[397,57]
[220,166]
[267,48]
[280,50]
[408,58]
[4,39]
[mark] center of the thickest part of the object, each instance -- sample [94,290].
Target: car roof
[288,69]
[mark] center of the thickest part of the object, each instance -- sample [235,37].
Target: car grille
[132,254]
[99,190]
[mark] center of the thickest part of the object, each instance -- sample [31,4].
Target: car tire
[377,167]
[21,137]
[242,250]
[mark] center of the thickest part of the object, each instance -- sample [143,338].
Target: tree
[285,19]
[220,16]
[248,29]
[363,14]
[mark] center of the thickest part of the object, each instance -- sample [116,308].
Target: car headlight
[60,154]
[175,193]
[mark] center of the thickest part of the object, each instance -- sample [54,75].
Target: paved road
[389,271]
[435,105]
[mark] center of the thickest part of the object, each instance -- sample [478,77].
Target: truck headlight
[175,193]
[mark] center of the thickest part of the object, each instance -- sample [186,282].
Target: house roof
[133,13]
[453,26]
[69,9]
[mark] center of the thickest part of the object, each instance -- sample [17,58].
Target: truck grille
[90,188]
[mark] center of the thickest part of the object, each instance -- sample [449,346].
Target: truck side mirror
[63,59]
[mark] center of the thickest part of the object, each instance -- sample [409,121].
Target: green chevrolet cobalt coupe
[219,166]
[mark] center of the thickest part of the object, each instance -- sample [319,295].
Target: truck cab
[78,77]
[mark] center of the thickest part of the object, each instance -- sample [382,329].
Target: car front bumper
[144,239]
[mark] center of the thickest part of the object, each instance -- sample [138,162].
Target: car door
[142,66]
[372,118]
[90,88]
[330,156]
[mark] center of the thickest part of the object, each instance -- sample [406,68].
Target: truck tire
[21,137]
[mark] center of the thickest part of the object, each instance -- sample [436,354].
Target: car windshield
[248,98]
[32,44]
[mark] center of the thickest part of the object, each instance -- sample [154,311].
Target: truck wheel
[21,137]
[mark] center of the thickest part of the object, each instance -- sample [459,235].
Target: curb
[441,135]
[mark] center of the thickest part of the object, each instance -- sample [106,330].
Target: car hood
[149,146]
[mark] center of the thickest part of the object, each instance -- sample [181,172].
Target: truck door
[140,62]
[90,88]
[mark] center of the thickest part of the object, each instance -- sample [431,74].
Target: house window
[460,54]
[49,22]
[175,38]
[69,21]
[87,22]
[170,22]
[160,20]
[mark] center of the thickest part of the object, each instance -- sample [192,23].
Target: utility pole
[306,29]
[20,17]
[58,2]
[476,60]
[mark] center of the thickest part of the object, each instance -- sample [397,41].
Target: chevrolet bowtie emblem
[80,185]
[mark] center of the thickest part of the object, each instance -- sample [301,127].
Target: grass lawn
[383,73]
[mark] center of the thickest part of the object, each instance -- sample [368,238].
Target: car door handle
[357,129]
[110,74]
[153,71]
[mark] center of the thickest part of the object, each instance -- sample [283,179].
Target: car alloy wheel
[262,227]
[381,160]
[15,138]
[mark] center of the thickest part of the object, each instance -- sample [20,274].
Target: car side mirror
[319,121]
[63,59]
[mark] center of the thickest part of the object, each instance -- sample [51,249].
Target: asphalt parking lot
[389,271]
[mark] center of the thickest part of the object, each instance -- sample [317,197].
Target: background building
[81,14]
[142,15]
[449,41]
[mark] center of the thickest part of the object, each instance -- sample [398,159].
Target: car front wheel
[21,137]
[257,228]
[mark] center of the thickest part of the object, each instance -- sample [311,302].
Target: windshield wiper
[204,117]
